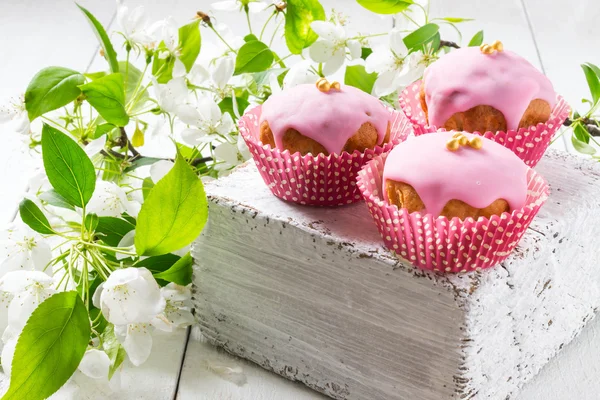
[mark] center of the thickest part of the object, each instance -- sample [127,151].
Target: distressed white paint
[311,294]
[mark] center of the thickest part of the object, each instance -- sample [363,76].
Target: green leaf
[180,273]
[111,229]
[581,133]
[131,81]
[111,346]
[91,221]
[140,162]
[95,75]
[298,16]
[34,217]
[226,105]
[592,75]
[250,37]
[476,40]
[50,347]
[365,52]
[102,129]
[173,214]
[158,264]
[253,56]
[54,199]
[107,96]
[100,32]
[582,147]
[162,68]
[52,88]
[189,43]
[147,186]
[189,46]
[421,36]
[357,76]
[457,20]
[385,6]
[69,169]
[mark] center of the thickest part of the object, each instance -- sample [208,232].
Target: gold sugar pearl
[452,144]
[476,142]
[498,46]
[463,140]
[323,85]
[335,85]
[457,135]
[486,49]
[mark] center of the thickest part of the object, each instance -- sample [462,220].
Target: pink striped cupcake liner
[309,180]
[529,144]
[442,244]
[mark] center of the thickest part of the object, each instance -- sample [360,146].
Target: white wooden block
[311,294]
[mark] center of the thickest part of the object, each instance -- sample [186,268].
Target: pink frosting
[465,78]
[329,118]
[477,177]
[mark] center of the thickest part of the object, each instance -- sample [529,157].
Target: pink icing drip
[465,78]
[477,177]
[329,118]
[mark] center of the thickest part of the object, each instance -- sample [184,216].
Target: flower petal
[137,342]
[222,71]
[397,44]
[192,136]
[7,355]
[327,30]
[355,49]
[95,146]
[335,62]
[159,169]
[256,6]
[179,69]
[197,75]
[321,51]
[384,84]
[95,364]
[227,5]
[227,152]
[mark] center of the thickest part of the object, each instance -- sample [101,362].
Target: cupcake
[326,119]
[310,141]
[490,91]
[451,201]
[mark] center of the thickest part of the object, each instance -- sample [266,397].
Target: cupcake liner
[321,180]
[442,244]
[529,144]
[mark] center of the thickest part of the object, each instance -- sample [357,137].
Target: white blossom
[331,46]
[136,340]
[134,24]
[206,120]
[22,249]
[95,146]
[254,6]
[95,364]
[8,352]
[413,17]
[170,95]
[197,75]
[395,66]
[166,31]
[29,289]
[178,308]
[16,113]
[110,200]
[129,296]
[227,156]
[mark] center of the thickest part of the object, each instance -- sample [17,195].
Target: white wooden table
[553,35]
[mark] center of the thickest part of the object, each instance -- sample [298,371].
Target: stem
[248,18]
[127,67]
[135,91]
[445,43]
[275,32]
[121,250]
[265,25]
[222,40]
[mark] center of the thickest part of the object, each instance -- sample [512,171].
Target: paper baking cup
[321,180]
[440,244]
[527,143]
